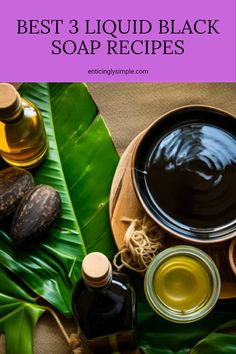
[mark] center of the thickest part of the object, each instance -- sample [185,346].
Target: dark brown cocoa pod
[14,184]
[36,213]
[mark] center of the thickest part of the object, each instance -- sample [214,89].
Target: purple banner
[52,40]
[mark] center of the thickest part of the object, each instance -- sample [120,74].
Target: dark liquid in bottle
[107,316]
[191,175]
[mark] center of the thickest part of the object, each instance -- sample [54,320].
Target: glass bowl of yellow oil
[182,284]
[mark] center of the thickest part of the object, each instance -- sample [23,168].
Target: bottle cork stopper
[96,270]
[10,101]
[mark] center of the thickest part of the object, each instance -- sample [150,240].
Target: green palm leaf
[221,341]
[19,315]
[80,164]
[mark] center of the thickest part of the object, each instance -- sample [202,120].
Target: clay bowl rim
[231,255]
[174,233]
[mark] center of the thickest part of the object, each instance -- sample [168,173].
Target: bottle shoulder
[121,281]
[118,281]
[30,110]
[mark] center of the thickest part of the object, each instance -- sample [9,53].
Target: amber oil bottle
[23,141]
[104,306]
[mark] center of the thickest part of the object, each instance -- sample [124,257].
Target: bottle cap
[96,270]
[10,102]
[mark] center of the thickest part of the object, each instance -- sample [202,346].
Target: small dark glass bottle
[104,307]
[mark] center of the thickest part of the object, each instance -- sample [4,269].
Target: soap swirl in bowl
[185,173]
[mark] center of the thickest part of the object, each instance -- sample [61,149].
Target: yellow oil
[182,283]
[23,142]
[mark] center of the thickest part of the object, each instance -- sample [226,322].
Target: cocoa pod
[36,213]
[14,184]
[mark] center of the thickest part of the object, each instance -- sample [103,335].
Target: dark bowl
[184,173]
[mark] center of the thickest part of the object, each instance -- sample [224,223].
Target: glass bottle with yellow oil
[23,140]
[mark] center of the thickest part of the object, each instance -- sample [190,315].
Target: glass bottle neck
[15,114]
[99,289]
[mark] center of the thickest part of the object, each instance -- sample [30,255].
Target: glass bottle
[104,307]
[23,140]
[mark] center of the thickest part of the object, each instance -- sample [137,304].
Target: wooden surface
[125,204]
[123,200]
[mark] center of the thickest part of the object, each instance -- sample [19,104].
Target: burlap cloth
[128,108]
